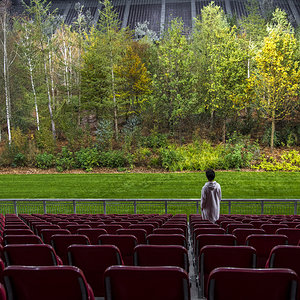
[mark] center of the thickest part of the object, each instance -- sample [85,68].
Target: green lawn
[281,185]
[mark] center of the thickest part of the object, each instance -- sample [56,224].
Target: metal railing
[136,206]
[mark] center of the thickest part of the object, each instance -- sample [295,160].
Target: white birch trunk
[66,68]
[6,76]
[34,94]
[49,97]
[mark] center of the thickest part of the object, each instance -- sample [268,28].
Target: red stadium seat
[271,228]
[161,255]
[93,260]
[47,283]
[46,234]
[147,283]
[92,234]
[22,239]
[242,234]
[263,244]
[166,239]
[110,228]
[30,255]
[140,234]
[61,242]
[249,284]
[125,243]
[212,257]
[293,234]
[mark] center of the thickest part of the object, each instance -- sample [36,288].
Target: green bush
[44,160]
[171,158]
[65,160]
[19,160]
[142,157]
[87,158]
[288,161]
[154,140]
[115,159]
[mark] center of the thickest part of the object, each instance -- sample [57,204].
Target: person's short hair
[210,174]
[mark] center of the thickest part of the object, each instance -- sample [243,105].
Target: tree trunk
[273,130]
[224,132]
[6,77]
[114,100]
[49,98]
[34,94]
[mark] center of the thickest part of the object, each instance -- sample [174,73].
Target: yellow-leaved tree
[275,81]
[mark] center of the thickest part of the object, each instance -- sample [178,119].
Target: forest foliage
[91,95]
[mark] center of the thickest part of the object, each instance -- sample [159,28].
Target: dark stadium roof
[160,12]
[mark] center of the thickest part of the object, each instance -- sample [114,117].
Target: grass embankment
[134,185]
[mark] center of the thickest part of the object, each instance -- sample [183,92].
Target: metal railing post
[74,206]
[229,207]
[166,207]
[295,207]
[104,207]
[44,205]
[15,207]
[197,205]
[262,207]
[134,206]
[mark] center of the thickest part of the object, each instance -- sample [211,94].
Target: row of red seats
[236,244]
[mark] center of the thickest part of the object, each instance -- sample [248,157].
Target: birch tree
[43,24]
[8,59]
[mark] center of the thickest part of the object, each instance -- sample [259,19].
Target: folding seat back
[30,255]
[2,292]
[285,256]
[147,283]
[166,239]
[242,234]
[123,224]
[231,227]
[17,226]
[213,239]
[92,234]
[95,224]
[38,228]
[224,224]
[63,225]
[47,283]
[290,224]
[125,243]
[140,234]
[154,223]
[161,255]
[46,234]
[168,231]
[110,228]
[212,257]
[263,244]
[271,228]
[73,228]
[17,232]
[205,225]
[174,225]
[93,260]
[249,284]
[148,227]
[61,242]
[2,266]
[22,239]
[293,234]
[198,231]
[257,224]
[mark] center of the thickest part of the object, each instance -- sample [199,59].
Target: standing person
[210,198]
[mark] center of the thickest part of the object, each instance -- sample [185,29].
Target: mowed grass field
[249,185]
[235,185]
